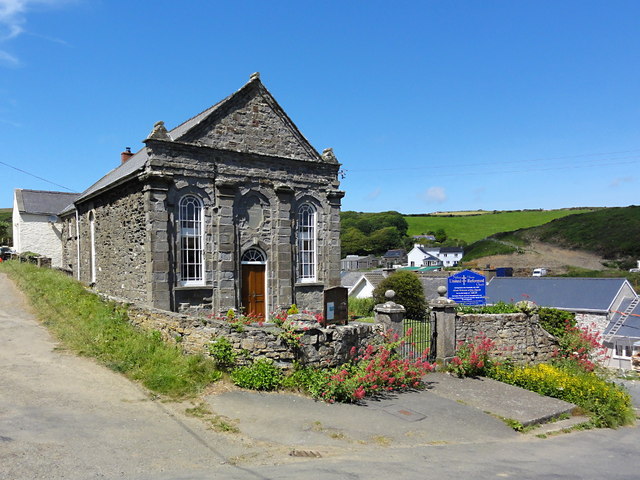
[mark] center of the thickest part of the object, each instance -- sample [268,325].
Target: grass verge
[88,326]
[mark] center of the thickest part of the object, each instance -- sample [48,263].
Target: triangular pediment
[249,121]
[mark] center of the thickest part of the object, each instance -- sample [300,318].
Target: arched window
[190,237]
[306,243]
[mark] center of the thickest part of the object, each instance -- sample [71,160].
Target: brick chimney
[126,155]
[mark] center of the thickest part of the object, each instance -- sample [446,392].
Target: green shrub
[223,353]
[500,307]
[262,374]
[361,307]
[608,403]
[554,321]
[409,293]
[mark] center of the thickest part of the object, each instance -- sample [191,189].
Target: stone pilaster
[158,277]
[333,247]
[226,282]
[282,261]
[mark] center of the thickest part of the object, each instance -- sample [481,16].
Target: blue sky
[429,105]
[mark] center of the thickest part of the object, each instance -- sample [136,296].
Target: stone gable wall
[516,335]
[251,123]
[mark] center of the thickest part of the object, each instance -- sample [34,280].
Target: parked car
[539,272]
[6,252]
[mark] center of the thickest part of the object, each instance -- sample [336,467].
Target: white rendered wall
[34,233]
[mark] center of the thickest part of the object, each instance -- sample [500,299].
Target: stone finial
[159,132]
[442,298]
[254,76]
[329,156]
[390,294]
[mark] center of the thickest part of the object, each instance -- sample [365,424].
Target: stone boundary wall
[319,346]
[516,335]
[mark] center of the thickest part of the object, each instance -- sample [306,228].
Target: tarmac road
[65,417]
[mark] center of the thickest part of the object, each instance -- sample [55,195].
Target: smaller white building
[423,256]
[36,226]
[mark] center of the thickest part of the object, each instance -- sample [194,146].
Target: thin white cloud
[12,20]
[617,182]
[374,194]
[435,195]
[8,60]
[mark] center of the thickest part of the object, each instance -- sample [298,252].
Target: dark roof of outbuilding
[42,202]
[576,294]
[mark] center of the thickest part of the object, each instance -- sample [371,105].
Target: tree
[409,293]
[354,242]
[440,235]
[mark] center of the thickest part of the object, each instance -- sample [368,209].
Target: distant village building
[232,209]
[429,256]
[358,262]
[36,226]
[394,258]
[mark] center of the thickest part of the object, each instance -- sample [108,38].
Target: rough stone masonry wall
[516,335]
[326,346]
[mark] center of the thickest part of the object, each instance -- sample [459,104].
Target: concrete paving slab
[498,398]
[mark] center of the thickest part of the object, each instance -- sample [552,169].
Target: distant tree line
[372,233]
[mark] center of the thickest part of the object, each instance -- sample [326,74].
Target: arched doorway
[254,266]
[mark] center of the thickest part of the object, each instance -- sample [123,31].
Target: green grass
[472,228]
[610,232]
[485,248]
[91,327]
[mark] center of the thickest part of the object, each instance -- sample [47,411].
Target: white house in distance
[36,226]
[423,256]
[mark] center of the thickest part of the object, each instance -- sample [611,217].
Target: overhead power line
[35,176]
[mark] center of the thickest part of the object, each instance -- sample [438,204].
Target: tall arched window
[190,236]
[307,243]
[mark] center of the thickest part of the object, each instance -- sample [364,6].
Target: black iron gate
[420,335]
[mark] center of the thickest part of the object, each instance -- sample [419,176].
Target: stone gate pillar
[390,314]
[443,321]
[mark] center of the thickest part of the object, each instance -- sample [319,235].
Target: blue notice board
[467,288]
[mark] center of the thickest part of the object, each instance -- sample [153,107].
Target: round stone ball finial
[389,294]
[442,290]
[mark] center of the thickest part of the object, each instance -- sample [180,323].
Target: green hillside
[472,228]
[5,214]
[611,232]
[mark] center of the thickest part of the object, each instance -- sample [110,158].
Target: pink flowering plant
[473,358]
[579,346]
[373,371]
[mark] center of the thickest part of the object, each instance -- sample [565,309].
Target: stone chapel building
[231,209]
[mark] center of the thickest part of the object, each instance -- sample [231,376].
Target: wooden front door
[253,294]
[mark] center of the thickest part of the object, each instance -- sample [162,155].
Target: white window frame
[307,230]
[191,241]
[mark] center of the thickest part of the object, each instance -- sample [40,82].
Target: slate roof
[575,294]
[631,325]
[349,279]
[138,162]
[396,253]
[42,202]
